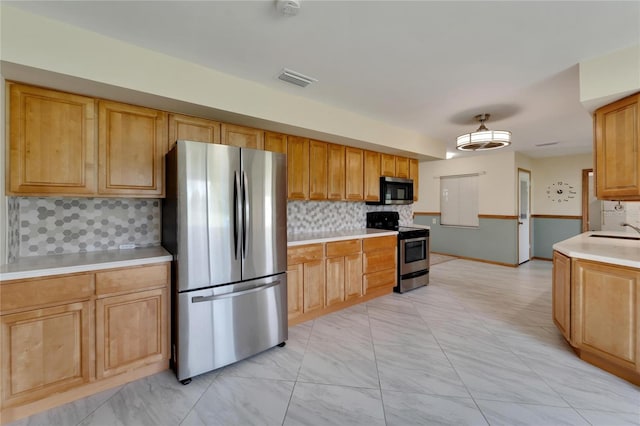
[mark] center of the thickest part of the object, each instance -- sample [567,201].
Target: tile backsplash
[318,216]
[42,226]
[73,225]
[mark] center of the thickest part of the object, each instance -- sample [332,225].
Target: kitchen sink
[617,237]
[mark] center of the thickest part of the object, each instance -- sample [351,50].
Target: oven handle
[410,240]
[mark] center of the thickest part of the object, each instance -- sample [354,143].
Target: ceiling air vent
[296,78]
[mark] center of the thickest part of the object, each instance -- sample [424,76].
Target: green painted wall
[494,240]
[546,232]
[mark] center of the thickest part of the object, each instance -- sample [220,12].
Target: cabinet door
[132,144]
[354,169]
[45,351]
[131,331]
[413,174]
[243,137]
[335,171]
[192,129]
[295,278]
[387,165]
[353,276]
[317,170]
[371,176]
[402,167]
[335,280]
[617,150]
[275,142]
[297,168]
[314,284]
[52,142]
[562,293]
[605,305]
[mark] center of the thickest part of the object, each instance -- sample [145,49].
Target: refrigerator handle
[245,218]
[198,299]
[237,211]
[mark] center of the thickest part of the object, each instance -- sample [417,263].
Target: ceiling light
[296,78]
[483,139]
[288,7]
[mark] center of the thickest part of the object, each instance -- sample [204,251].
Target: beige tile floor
[475,347]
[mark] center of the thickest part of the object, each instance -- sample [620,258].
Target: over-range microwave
[395,191]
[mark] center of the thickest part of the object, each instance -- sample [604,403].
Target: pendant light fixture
[483,139]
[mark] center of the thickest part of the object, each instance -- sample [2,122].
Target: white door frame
[524,219]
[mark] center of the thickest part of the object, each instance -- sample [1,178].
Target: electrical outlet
[433,220]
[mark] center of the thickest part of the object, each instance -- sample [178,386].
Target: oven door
[414,255]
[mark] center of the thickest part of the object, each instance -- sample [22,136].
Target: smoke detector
[288,7]
[296,78]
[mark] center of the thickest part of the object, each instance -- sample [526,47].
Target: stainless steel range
[413,249]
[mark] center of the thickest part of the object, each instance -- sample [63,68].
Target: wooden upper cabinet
[52,140]
[354,174]
[335,171]
[317,170]
[402,167]
[132,143]
[617,149]
[275,142]
[192,129]
[414,169]
[387,165]
[297,168]
[371,176]
[243,137]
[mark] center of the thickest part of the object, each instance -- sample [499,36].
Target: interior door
[524,216]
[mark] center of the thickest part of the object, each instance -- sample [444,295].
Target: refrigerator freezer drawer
[222,325]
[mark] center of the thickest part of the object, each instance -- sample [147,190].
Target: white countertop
[608,250]
[328,236]
[41,266]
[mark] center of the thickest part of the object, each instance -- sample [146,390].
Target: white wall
[496,185]
[548,170]
[37,43]
[607,78]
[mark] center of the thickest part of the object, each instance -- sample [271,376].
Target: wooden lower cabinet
[379,263]
[131,331]
[561,294]
[45,351]
[314,285]
[323,278]
[596,307]
[605,318]
[335,280]
[111,329]
[295,291]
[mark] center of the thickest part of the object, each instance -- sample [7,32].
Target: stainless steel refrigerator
[224,220]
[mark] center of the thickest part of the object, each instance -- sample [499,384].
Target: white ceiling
[429,66]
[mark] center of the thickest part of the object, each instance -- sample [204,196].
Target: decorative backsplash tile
[316,216]
[73,225]
[13,229]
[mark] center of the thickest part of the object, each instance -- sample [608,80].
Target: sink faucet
[637,229]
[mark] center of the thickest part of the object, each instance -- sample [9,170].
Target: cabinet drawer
[302,254]
[379,279]
[377,243]
[343,248]
[379,260]
[45,291]
[131,279]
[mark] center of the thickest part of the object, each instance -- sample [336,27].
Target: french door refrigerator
[224,221]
